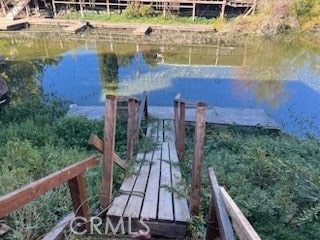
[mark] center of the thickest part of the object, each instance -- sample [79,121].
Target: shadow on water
[279,76]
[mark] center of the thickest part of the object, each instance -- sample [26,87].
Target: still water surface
[281,77]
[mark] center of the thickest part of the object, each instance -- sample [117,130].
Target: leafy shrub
[306,8]
[274,179]
[75,131]
[138,11]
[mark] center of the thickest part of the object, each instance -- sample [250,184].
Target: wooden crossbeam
[22,196]
[96,142]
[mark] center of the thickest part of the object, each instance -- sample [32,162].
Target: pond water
[281,77]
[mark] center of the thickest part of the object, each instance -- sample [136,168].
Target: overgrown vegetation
[36,139]
[270,18]
[274,178]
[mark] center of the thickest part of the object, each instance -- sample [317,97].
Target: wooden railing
[223,207]
[72,174]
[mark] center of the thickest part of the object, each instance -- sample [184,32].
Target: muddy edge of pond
[123,32]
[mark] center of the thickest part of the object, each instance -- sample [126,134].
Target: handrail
[240,223]
[71,174]
[218,220]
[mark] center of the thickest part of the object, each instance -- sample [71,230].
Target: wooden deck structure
[146,200]
[148,194]
[11,8]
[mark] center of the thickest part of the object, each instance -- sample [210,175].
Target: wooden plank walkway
[146,195]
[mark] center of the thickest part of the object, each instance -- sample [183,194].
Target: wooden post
[176,117]
[54,8]
[133,106]
[36,4]
[3,6]
[164,8]
[27,8]
[108,150]
[79,198]
[81,8]
[223,7]
[182,131]
[199,136]
[108,7]
[193,10]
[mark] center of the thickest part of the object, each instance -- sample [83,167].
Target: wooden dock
[76,27]
[245,117]
[6,25]
[147,195]
[142,31]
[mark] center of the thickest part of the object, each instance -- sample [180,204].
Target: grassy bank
[270,18]
[36,139]
[274,179]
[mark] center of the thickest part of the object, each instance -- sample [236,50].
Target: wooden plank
[199,136]
[78,196]
[119,203]
[57,232]
[181,131]
[219,211]
[75,28]
[108,150]
[169,230]
[20,197]
[245,230]
[247,117]
[142,30]
[132,126]
[96,142]
[181,209]
[165,211]
[150,204]
[134,205]
[169,135]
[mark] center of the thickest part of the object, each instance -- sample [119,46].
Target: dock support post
[36,4]
[108,150]
[223,7]
[133,106]
[79,198]
[199,136]
[193,10]
[54,8]
[81,8]
[108,7]
[3,6]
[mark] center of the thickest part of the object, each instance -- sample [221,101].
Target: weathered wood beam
[108,150]
[218,213]
[199,137]
[96,142]
[57,232]
[78,196]
[241,224]
[133,107]
[22,196]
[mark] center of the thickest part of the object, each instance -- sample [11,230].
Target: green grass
[37,139]
[274,179]
[122,18]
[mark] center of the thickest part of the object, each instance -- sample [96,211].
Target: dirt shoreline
[123,32]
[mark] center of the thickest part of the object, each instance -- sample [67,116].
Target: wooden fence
[72,174]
